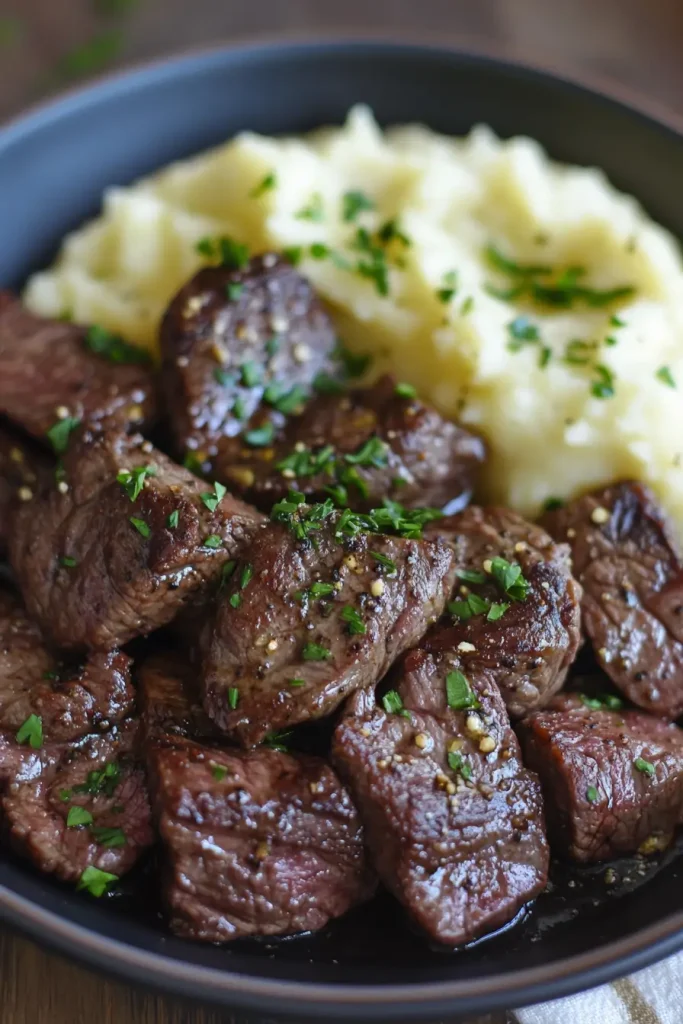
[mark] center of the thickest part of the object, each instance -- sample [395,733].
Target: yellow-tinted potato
[589,393]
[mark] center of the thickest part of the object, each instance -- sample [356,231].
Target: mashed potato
[570,388]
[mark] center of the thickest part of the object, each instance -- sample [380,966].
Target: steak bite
[122,543]
[516,609]
[453,819]
[241,344]
[612,780]
[366,445]
[629,565]
[51,370]
[257,843]
[317,608]
[69,700]
[74,807]
[21,467]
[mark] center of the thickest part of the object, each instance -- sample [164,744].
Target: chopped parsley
[391,232]
[113,347]
[233,697]
[449,287]
[355,203]
[522,330]
[251,373]
[561,289]
[603,385]
[386,562]
[100,780]
[31,732]
[227,571]
[665,375]
[579,352]
[457,764]
[108,837]
[393,705]
[372,453]
[458,692]
[173,519]
[467,306]
[96,882]
[317,590]
[508,576]
[354,363]
[141,526]
[133,480]
[646,767]
[353,620]
[59,434]
[306,463]
[551,504]
[224,377]
[473,604]
[296,682]
[219,771]
[212,541]
[313,211]
[68,562]
[293,254]
[234,290]
[507,266]
[315,652]
[246,575]
[324,384]
[285,400]
[592,795]
[276,740]
[78,816]
[405,390]
[239,408]
[260,437]
[266,184]
[235,600]
[606,700]
[228,252]
[472,576]
[544,356]
[497,610]
[300,518]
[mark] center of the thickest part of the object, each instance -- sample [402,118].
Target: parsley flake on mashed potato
[529,299]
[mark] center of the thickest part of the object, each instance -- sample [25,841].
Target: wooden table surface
[46,44]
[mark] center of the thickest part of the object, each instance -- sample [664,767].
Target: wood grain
[636,43]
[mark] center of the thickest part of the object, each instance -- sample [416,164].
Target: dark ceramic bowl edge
[390,1002]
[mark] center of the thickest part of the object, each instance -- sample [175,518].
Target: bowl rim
[337,1001]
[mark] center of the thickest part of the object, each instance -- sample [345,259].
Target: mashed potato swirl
[475,269]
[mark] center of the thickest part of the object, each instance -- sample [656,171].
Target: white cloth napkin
[653,996]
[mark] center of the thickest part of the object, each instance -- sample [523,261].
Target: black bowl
[54,165]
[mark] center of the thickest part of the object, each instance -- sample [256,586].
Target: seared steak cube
[257,843]
[612,780]
[453,820]
[516,607]
[317,608]
[235,341]
[366,445]
[70,701]
[629,565]
[21,467]
[73,807]
[122,543]
[52,370]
